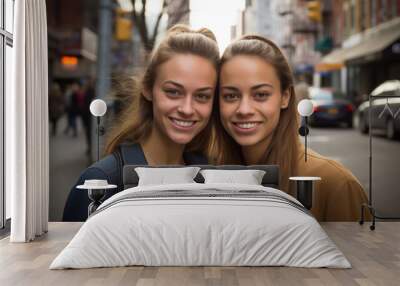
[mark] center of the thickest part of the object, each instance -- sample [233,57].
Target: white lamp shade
[305,107]
[98,107]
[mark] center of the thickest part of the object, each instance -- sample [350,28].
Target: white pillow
[163,176]
[248,177]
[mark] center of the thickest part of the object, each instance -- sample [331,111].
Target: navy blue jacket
[76,207]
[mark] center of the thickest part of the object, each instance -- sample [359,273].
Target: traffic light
[123,26]
[314,11]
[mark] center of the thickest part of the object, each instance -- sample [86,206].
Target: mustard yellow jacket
[339,195]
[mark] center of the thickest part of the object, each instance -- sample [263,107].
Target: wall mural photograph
[189,142]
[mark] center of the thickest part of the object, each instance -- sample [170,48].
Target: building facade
[72,39]
[285,22]
[366,37]
[349,45]
[261,17]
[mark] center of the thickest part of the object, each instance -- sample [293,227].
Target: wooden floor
[374,255]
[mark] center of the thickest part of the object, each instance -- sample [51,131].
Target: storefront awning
[333,61]
[323,67]
[373,42]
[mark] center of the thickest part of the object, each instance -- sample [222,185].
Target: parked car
[385,113]
[330,107]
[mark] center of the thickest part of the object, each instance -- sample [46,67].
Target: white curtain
[27,146]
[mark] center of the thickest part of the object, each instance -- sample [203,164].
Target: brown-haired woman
[259,125]
[168,120]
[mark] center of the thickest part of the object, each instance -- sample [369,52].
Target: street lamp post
[103,56]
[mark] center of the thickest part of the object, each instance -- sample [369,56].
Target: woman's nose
[245,107]
[186,106]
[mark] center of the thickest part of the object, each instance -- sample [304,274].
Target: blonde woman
[259,125]
[168,121]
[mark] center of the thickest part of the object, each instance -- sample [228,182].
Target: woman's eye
[230,96]
[203,96]
[261,95]
[172,92]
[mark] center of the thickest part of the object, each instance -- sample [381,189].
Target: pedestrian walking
[56,106]
[72,95]
[88,96]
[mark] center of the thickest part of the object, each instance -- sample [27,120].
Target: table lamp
[97,188]
[305,184]
[305,109]
[98,108]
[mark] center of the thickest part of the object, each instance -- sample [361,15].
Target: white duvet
[207,230]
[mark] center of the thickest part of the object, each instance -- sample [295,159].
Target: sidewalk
[67,161]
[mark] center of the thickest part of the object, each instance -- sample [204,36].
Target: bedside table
[96,191]
[305,186]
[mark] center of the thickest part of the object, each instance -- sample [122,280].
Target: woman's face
[250,99]
[183,97]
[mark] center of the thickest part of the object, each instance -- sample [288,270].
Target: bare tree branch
[144,6]
[145,36]
[177,11]
[139,20]
[133,5]
[155,30]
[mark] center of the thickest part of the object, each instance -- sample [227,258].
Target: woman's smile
[246,127]
[183,124]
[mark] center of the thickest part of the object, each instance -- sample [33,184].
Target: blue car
[330,108]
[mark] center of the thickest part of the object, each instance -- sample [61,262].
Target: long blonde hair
[135,122]
[284,147]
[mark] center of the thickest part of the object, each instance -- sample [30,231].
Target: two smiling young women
[180,115]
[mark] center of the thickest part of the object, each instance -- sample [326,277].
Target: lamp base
[96,196]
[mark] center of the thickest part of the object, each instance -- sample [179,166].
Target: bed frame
[270,179]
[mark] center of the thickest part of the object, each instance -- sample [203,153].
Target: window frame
[2,91]
[6,39]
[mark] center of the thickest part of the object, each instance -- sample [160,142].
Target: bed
[201,224]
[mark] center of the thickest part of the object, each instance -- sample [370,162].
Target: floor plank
[374,255]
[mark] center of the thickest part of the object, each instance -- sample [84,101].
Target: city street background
[351,148]
[341,47]
[348,146]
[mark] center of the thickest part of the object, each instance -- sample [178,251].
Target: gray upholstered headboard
[270,179]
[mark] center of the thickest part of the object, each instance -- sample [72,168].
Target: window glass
[9,13]
[7,82]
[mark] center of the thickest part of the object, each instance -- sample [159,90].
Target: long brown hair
[135,122]
[284,147]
